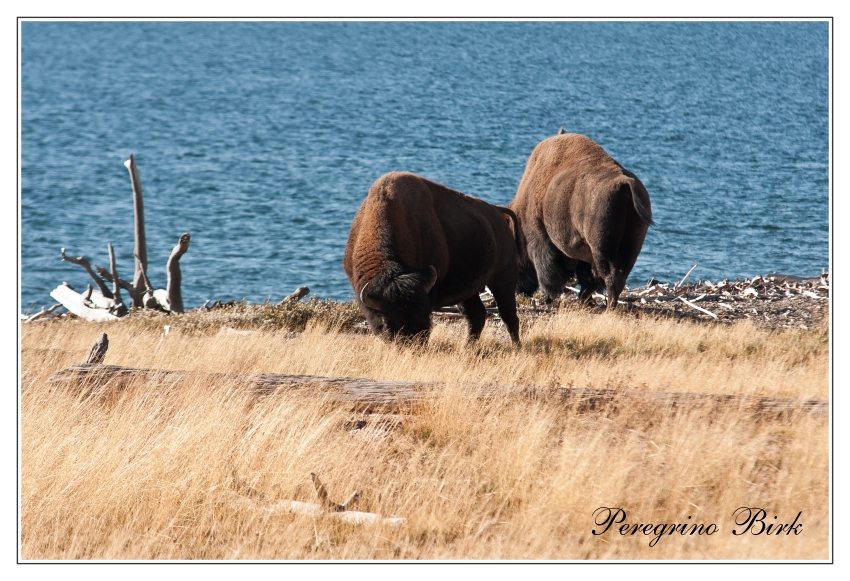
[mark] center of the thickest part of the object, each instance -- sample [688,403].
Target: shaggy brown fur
[409,229]
[581,214]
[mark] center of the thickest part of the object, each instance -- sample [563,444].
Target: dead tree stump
[140,251]
[175,298]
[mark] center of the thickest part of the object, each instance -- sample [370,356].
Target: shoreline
[773,301]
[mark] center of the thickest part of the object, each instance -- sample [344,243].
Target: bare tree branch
[107,276]
[84,262]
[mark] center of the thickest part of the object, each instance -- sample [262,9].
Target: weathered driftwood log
[75,303]
[140,250]
[297,295]
[174,297]
[311,509]
[684,278]
[118,309]
[98,350]
[84,262]
[148,299]
[107,276]
[373,394]
[42,313]
[690,304]
[254,500]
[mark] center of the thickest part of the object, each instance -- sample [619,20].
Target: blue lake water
[261,139]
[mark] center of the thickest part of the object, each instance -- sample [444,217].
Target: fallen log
[373,394]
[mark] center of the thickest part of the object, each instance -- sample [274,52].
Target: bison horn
[429,284]
[367,300]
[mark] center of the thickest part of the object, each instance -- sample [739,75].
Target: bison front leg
[475,313]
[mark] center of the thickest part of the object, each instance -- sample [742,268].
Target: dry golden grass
[148,475]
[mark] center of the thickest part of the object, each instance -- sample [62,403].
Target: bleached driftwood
[84,262]
[297,295]
[74,302]
[107,276]
[693,306]
[255,501]
[140,250]
[173,297]
[170,298]
[41,313]
[684,278]
[118,309]
[312,509]
[140,290]
[149,301]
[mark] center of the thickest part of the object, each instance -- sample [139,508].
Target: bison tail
[518,238]
[640,199]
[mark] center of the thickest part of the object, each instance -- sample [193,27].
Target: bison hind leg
[589,282]
[603,274]
[503,293]
[475,313]
[554,268]
[615,282]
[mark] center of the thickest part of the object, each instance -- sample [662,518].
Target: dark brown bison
[416,246]
[582,214]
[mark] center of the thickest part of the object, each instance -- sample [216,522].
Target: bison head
[397,305]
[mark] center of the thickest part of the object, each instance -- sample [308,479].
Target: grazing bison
[416,246]
[581,214]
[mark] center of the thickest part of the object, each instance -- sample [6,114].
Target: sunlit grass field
[152,472]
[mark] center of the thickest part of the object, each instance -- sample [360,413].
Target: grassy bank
[148,475]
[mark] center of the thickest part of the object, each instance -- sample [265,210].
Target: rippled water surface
[261,139]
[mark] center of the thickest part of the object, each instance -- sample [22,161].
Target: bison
[583,215]
[416,246]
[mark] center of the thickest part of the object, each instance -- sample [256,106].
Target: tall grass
[149,474]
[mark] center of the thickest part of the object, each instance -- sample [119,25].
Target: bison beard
[416,246]
[582,215]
